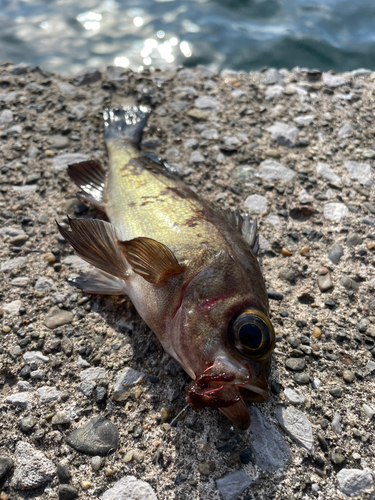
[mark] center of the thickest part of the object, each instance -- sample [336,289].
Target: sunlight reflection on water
[66,35]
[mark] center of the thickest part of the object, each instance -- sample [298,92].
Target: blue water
[67,35]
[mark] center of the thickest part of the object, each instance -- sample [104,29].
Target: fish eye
[252,333]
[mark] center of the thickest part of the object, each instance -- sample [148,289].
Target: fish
[190,269]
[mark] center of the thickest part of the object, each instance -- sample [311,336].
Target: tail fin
[125,123]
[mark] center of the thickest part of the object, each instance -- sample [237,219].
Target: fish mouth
[222,387]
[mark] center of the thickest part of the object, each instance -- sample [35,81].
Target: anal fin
[90,178]
[95,241]
[97,281]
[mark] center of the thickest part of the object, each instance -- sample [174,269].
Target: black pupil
[250,335]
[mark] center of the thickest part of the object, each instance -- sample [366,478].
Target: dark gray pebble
[274,295]
[246,455]
[180,478]
[353,240]
[67,492]
[63,474]
[25,372]
[97,437]
[335,254]
[100,395]
[336,392]
[301,378]
[295,364]
[322,441]
[6,465]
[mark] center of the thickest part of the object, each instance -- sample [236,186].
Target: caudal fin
[125,123]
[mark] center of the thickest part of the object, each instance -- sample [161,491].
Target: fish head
[226,338]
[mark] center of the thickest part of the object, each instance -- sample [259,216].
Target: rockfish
[190,269]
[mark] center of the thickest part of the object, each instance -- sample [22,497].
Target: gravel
[233,484]
[318,212]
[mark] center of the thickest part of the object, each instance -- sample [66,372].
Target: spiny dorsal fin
[150,259]
[96,242]
[248,229]
[90,178]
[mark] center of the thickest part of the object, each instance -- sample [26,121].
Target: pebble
[335,254]
[13,264]
[232,485]
[297,426]
[96,463]
[324,279]
[295,364]
[369,206]
[93,373]
[353,240]
[61,418]
[12,308]
[21,399]
[301,378]
[6,465]
[27,423]
[58,141]
[337,458]
[273,92]
[210,134]
[206,102]
[360,172]
[336,392]
[317,332]
[368,411]
[295,396]
[287,274]
[87,76]
[43,284]
[243,173]
[336,427]
[85,485]
[256,204]
[97,437]
[48,394]
[196,157]
[285,134]
[334,81]
[33,469]
[349,283]
[67,492]
[126,379]
[335,211]
[271,170]
[370,366]
[353,481]
[271,77]
[344,131]
[164,414]
[6,117]
[129,488]
[304,119]
[326,171]
[348,376]
[270,450]
[57,317]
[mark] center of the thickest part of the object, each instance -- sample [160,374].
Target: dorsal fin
[90,177]
[248,229]
[150,259]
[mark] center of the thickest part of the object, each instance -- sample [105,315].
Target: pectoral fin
[150,259]
[96,242]
[97,281]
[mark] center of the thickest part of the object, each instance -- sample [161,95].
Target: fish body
[189,270]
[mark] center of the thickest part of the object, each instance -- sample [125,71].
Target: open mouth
[226,391]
